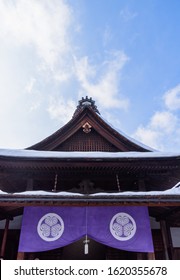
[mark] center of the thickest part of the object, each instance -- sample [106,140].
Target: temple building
[88,191]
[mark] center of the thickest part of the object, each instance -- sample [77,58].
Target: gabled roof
[87,131]
[88,146]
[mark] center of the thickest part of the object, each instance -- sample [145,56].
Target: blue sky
[122,53]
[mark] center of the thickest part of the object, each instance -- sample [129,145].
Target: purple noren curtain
[47,228]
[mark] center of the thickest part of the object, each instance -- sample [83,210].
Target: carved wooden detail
[86,127]
[82,141]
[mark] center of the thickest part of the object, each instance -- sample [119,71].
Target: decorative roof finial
[86,102]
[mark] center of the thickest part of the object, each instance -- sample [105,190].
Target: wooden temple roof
[88,131]
[93,161]
[89,148]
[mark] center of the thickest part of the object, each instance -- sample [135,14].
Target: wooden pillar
[151,256]
[141,185]
[30,183]
[3,245]
[20,256]
[165,238]
[140,256]
[170,243]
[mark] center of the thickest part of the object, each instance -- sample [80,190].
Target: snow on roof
[20,153]
[131,139]
[173,191]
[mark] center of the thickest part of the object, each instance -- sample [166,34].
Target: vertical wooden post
[141,185]
[170,243]
[151,256]
[165,238]
[140,256]
[30,183]
[20,256]
[3,245]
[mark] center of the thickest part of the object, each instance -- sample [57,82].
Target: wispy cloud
[127,15]
[101,81]
[172,98]
[42,25]
[61,109]
[39,64]
[107,35]
[164,121]
[162,132]
[35,46]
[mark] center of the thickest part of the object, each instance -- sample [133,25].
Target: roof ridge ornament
[86,102]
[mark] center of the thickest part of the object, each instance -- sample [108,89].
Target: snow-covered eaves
[32,154]
[175,190]
[169,197]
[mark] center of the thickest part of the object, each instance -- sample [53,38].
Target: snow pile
[173,191]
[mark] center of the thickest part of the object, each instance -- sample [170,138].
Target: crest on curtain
[126,228]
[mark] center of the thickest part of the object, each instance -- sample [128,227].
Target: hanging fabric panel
[126,228]
[47,228]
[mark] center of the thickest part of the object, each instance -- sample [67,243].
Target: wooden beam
[77,202]
[136,200]
[167,214]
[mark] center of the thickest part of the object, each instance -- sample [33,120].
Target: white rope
[118,184]
[86,246]
[55,183]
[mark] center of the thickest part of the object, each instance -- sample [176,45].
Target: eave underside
[156,175]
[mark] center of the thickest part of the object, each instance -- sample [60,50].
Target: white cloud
[162,132]
[35,46]
[172,98]
[99,81]
[40,24]
[30,85]
[37,65]
[102,81]
[147,135]
[164,121]
[61,109]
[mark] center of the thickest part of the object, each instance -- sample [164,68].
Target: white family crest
[50,227]
[122,226]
